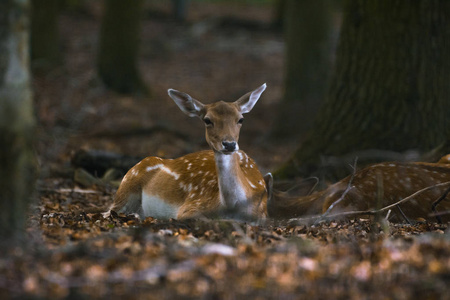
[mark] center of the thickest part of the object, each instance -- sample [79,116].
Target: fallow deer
[200,183]
[375,186]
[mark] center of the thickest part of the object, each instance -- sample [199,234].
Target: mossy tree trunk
[307,31]
[390,88]
[44,35]
[119,46]
[16,118]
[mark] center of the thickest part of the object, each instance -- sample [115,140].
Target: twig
[440,213]
[403,215]
[380,193]
[435,203]
[347,189]
[372,212]
[388,215]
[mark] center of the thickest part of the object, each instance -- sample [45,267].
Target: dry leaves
[74,253]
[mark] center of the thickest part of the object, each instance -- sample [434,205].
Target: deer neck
[229,173]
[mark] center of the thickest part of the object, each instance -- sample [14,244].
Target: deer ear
[187,104]
[249,100]
[268,179]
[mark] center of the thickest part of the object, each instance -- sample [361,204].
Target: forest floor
[73,254]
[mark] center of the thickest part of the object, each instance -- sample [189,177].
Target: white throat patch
[231,190]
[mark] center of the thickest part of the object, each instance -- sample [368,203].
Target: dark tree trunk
[16,119]
[390,88]
[119,46]
[44,37]
[180,9]
[279,11]
[308,35]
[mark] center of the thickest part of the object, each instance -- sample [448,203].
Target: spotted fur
[200,183]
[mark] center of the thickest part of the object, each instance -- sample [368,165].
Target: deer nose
[229,146]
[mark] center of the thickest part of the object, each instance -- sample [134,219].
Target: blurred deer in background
[375,187]
[200,183]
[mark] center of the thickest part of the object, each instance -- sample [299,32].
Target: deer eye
[207,121]
[241,120]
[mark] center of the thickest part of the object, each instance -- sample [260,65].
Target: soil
[71,253]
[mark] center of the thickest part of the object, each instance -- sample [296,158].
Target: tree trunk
[279,12]
[44,36]
[308,35]
[390,88]
[119,45]
[180,9]
[16,118]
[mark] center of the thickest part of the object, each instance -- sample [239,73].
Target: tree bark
[390,88]
[119,47]
[308,36]
[44,35]
[17,168]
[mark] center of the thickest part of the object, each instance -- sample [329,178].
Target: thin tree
[119,46]
[180,9]
[44,36]
[16,118]
[308,36]
[390,87]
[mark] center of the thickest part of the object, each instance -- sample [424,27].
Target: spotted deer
[374,187]
[200,183]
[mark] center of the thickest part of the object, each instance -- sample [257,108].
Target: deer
[376,186]
[203,183]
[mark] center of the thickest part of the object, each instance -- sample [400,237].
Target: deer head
[222,120]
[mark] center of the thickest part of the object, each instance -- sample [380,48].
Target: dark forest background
[346,79]
[366,79]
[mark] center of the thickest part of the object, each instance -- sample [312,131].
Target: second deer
[200,183]
[375,187]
